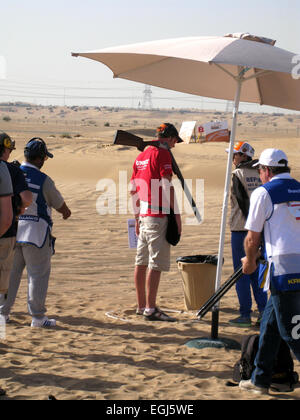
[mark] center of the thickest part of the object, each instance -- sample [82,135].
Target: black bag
[172,235]
[244,367]
[283,373]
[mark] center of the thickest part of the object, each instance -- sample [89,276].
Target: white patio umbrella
[237,66]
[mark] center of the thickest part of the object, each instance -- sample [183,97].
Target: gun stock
[128,139]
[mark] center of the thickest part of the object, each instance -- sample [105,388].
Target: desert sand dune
[100,349]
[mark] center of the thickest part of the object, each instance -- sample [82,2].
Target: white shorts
[153,250]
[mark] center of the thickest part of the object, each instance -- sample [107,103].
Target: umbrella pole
[214,341]
[215,310]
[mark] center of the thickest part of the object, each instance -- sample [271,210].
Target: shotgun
[128,139]
[223,290]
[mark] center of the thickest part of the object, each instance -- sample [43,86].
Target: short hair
[276,170]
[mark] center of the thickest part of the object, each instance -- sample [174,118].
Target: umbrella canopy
[208,66]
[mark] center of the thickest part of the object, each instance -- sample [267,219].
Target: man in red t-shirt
[153,195]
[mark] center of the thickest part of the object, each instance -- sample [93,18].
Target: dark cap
[35,148]
[166,130]
[6,141]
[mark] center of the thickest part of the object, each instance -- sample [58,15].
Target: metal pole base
[214,341]
[219,343]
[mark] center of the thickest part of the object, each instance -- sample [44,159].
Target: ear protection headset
[6,141]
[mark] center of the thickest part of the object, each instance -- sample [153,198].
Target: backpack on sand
[283,377]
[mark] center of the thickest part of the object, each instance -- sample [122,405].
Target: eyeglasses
[261,168]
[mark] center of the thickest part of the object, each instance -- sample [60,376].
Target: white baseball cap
[272,158]
[243,147]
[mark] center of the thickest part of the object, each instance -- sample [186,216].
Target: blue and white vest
[282,234]
[35,224]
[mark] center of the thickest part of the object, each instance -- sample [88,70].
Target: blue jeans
[244,284]
[280,319]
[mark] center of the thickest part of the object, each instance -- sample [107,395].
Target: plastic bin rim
[199,259]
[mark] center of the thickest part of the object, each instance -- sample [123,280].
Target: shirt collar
[285,175]
[30,165]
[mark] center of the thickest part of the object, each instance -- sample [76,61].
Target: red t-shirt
[148,170]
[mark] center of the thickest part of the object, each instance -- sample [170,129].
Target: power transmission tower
[147,98]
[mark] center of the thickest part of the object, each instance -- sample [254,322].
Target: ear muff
[9,143]
[6,142]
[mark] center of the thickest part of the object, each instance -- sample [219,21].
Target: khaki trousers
[7,250]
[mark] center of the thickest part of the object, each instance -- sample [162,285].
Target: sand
[100,350]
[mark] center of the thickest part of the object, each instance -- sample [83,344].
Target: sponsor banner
[216,131]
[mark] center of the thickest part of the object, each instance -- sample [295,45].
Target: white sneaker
[249,386]
[43,322]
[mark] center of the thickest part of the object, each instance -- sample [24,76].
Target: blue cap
[36,147]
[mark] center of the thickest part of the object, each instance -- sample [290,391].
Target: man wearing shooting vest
[245,180]
[21,199]
[275,214]
[35,244]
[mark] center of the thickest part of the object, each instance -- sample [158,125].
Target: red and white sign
[216,131]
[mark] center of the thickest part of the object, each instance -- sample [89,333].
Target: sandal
[159,315]
[139,311]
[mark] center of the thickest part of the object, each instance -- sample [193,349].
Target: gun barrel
[220,292]
[223,290]
[187,192]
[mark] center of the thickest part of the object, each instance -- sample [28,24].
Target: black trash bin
[198,274]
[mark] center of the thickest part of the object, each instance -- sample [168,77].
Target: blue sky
[38,36]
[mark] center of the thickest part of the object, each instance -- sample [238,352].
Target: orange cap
[243,147]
